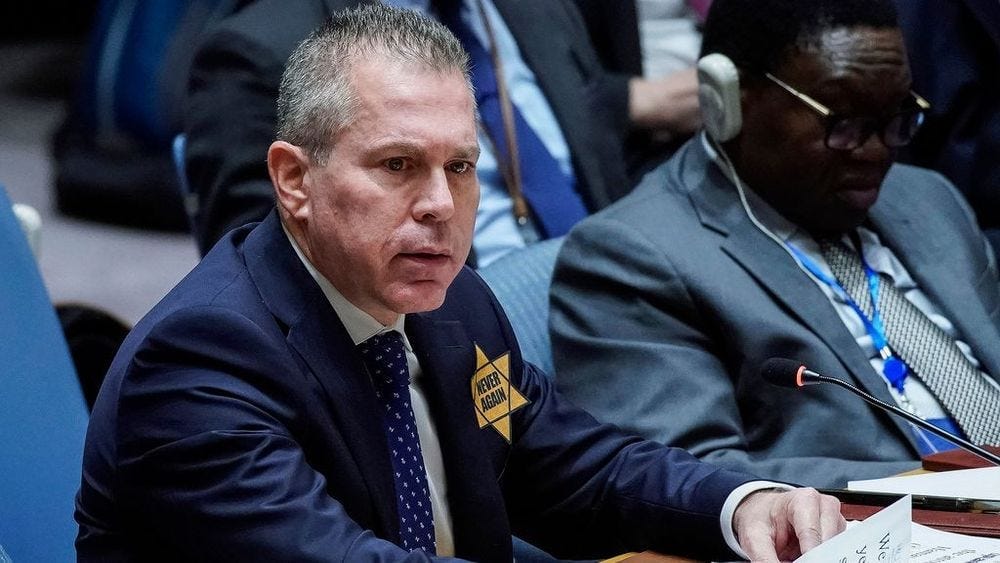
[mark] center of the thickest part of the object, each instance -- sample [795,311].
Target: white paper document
[982,483]
[934,546]
[884,537]
[890,536]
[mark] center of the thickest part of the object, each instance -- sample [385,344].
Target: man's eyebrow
[468,152]
[401,146]
[408,148]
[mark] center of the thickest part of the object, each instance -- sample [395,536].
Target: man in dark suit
[334,384]
[954,52]
[665,305]
[580,112]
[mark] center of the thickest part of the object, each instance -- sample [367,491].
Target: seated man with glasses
[787,231]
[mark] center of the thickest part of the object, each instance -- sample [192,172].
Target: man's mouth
[431,258]
[861,191]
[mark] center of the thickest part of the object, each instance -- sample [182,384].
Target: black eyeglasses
[849,133]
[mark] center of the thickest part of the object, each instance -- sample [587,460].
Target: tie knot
[829,245]
[385,357]
[838,255]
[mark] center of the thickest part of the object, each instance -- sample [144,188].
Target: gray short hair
[316,99]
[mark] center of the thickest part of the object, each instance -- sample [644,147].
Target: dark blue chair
[188,197]
[520,280]
[43,416]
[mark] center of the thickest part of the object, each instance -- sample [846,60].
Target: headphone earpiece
[719,96]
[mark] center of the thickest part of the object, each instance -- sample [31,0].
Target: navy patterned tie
[385,358]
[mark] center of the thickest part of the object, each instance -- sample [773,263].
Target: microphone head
[782,372]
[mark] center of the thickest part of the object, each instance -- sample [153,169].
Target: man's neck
[360,324]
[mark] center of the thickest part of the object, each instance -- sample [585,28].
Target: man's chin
[420,297]
[834,227]
[859,200]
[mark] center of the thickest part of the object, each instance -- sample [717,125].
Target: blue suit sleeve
[577,487]
[205,447]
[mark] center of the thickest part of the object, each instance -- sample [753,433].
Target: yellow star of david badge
[493,395]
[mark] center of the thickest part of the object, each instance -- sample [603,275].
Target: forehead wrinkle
[396,145]
[861,53]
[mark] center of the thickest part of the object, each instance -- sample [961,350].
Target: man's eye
[395,164]
[459,167]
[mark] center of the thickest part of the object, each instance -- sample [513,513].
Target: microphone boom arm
[992,458]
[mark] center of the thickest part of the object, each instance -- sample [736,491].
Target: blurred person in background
[567,115]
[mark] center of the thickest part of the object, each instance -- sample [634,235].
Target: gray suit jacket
[665,305]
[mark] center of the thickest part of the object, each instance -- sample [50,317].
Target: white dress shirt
[668,35]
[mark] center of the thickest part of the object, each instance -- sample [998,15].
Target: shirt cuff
[734,499]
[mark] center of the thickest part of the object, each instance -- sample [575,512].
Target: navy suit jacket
[238,423]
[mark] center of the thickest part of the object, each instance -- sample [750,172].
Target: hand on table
[782,525]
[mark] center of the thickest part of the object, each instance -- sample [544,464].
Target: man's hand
[782,525]
[668,104]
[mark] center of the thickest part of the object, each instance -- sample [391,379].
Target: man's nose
[873,149]
[436,202]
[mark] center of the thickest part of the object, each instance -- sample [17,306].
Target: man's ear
[288,166]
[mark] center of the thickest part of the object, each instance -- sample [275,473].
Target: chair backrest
[43,417]
[521,280]
[31,224]
[190,199]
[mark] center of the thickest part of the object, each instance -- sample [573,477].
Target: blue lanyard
[893,367]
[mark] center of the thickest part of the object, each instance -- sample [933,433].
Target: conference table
[976,524]
[855,506]
[648,557]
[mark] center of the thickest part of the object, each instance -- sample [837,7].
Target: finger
[805,507]
[832,522]
[757,540]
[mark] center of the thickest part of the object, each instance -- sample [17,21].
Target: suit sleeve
[632,346]
[230,123]
[609,67]
[205,445]
[980,249]
[581,489]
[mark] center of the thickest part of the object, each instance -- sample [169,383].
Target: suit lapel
[717,202]
[562,72]
[323,343]
[317,335]
[448,361]
[775,270]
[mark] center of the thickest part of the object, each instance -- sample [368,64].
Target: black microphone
[789,373]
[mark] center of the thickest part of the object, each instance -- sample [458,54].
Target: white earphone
[719,97]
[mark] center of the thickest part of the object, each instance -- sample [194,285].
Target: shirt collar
[360,325]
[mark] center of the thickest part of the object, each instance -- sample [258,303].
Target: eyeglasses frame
[923,106]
